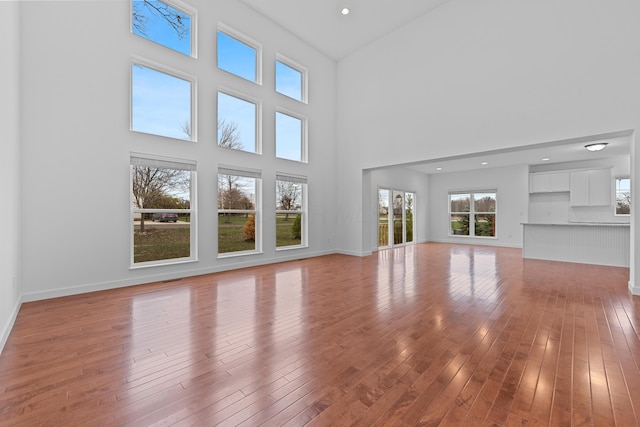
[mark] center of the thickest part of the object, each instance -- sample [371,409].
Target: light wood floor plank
[430,334]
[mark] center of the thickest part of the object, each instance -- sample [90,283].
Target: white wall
[397,179]
[511,184]
[476,76]
[76,142]
[9,166]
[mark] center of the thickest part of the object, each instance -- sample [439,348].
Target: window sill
[291,248]
[162,263]
[238,254]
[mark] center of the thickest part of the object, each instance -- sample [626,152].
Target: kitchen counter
[603,243]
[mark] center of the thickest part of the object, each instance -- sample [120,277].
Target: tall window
[291,221]
[472,214]
[623,196]
[168,23]
[238,124]
[162,202]
[290,137]
[383,217]
[160,103]
[238,216]
[290,79]
[238,55]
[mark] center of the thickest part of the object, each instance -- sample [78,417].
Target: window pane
[160,103]
[236,230]
[398,205]
[485,225]
[383,217]
[623,196]
[161,23]
[460,203]
[460,224]
[408,208]
[484,202]
[289,225]
[288,137]
[288,81]
[236,123]
[236,57]
[160,188]
[156,239]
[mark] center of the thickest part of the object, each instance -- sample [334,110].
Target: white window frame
[472,213]
[168,163]
[244,173]
[146,63]
[193,30]
[304,134]
[242,38]
[304,94]
[302,211]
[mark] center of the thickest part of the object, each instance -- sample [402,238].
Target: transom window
[290,79]
[168,23]
[291,221]
[623,196]
[238,219]
[239,55]
[290,137]
[472,213]
[237,123]
[160,103]
[162,203]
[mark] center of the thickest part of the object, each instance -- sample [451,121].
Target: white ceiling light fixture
[345,11]
[596,146]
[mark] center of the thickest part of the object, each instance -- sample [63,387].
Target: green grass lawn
[161,243]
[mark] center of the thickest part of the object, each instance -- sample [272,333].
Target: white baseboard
[635,290]
[6,330]
[354,253]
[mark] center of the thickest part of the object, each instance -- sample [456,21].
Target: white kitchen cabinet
[591,188]
[549,182]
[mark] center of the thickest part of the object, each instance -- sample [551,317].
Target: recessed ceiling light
[484,163]
[546,159]
[438,169]
[596,146]
[345,11]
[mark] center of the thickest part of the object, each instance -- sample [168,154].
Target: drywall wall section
[477,76]
[10,167]
[77,60]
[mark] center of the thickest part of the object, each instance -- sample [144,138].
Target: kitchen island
[581,242]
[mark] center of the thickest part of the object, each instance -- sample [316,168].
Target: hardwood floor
[432,334]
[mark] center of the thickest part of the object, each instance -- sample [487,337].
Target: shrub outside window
[472,214]
[164,22]
[290,213]
[238,219]
[160,103]
[162,206]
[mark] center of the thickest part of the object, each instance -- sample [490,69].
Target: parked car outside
[164,217]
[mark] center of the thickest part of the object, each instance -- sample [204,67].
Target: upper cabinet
[549,182]
[591,188]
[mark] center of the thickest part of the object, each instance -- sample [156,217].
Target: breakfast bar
[580,242]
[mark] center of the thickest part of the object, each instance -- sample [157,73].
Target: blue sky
[161,103]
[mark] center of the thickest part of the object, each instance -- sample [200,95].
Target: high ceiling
[321,24]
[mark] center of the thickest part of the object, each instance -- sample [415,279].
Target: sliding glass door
[395,217]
